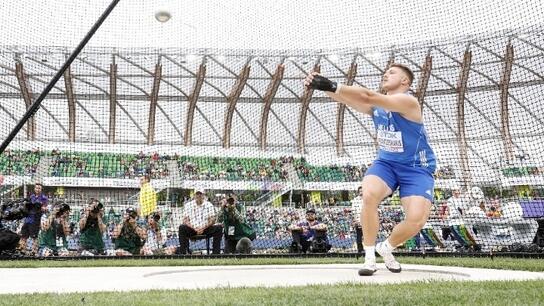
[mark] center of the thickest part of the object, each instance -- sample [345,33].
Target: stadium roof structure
[481,93]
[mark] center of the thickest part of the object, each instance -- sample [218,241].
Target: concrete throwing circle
[66,280]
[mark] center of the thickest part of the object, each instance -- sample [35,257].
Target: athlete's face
[393,78]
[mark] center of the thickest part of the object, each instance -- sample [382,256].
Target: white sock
[370,252]
[388,245]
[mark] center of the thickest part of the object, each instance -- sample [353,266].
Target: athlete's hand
[315,81]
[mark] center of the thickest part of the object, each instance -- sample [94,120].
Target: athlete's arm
[315,81]
[363,99]
[360,107]
[399,103]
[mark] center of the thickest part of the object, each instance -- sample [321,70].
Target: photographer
[310,235]
[92,227]
[55,229]
[31,224]
[154,243]
[238,234]
[12,211]
[128,235]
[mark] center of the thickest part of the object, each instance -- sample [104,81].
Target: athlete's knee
[416,223]
[419,224]
[372,198]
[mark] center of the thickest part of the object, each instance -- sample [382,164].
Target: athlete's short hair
[406,70]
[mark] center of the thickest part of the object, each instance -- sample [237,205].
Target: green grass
[486,262]
[438,293]
[421,293]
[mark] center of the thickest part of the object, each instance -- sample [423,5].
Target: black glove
[323,84]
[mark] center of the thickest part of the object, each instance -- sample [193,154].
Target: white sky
[259,24]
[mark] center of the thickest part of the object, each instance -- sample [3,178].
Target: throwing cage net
[203,97]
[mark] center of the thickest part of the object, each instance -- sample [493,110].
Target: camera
[15,210]
[97,208]
[62,208]
[156,217]
[320,243]
[132,213]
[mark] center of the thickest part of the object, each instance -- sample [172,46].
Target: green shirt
[129,241]
[91,238]
[48,238]
[233,219]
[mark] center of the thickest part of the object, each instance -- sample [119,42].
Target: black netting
[213,99]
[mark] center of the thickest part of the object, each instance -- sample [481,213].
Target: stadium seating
[106,165]
[310,173]
[445,172]
[19,162]
[231,169]
[522,171]
[122,165]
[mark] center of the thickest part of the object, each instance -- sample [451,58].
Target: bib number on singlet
[390,141]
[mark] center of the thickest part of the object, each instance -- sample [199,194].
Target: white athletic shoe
[86,253]
[390,263]
[369,267]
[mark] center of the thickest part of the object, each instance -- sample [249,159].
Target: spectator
[31,224]
[456,205]
[55,229]
[154,242]
[92,227]
[310,235]
[198,219]
[494,212]
[148,197]
[238,234]
[128,235]
[356,207]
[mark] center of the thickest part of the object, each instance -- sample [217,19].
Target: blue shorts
[411,180]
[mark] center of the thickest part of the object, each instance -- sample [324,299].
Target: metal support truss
[342,109]
[424,80]
[390,62]
[505,120]
[70,96]
[113,102]
[461,138]
[233,97]
[193,98]
[153,104]
[305,105]
[268,98]
[27,97]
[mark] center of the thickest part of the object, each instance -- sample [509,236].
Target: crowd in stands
[272,223]
[444,172]
[522,171]
[107,165]
[310,173]
[18,162]
[233,169]
[122,165]
[268,223]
